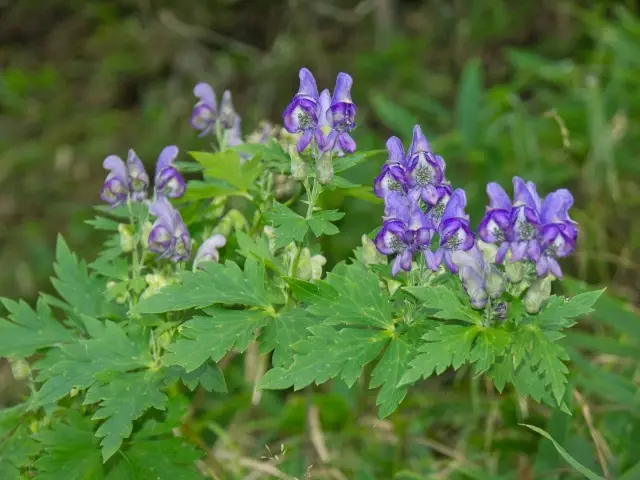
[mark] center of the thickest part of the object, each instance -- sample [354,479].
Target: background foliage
[547,89]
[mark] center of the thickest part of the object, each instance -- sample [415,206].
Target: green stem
[135,256]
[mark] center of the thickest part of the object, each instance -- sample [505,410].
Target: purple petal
[455,206]
[389,238]
[208,251]
[116,166]
[308,87]
[533,250]
[342,92]
[330,141]
[170,183]
[305,140]
[494,225]
[300,115]
[556,205]
[160,239]
[396,266]
[324,104]
[419,143]
[346,143]
[448,261]
[396,151]
[396,205]
[163,210]
[471,258]
[391,179]
[205,93]
[518,250]
[167,157]
[434,260]
[542,266]
[202,118]
[554,266]
[423,237]
[522,195]
[502,252]
[534,193]
[181,248]
[114,191]
[498,198]
[234,135]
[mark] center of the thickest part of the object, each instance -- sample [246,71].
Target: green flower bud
[20,369]
[514,271]
[370,253]
[494,281]
[489,251]
[146,231]
[126,237]
[304,270]
[299,168]
[317,262]
[538,293]
[324,168]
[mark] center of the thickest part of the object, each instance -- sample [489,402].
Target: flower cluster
[205,116]
[328,119]
[420,203]
[130,181]
[530,228]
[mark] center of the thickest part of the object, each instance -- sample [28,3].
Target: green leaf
[490,344]
[388,373]
[259,249]
[103,223]
[17,445]
[570,460]
[320,222]
[216,283]
[353,297]
[394,116]
[548,358]
[70,450]
[28,330]
[284,331]
[82,292]
[469,102]
[122,400]
[213,336]
[326,354]
[224,166]
[206,190]
[447,304]
[208,375]
[289,225]
[76,365]
[447,345]
[558,313]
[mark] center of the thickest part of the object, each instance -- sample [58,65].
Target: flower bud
[317,262]
[146,231]
[538,293]
[269,232]
[126,237]
[514,271]
[324,168]
[304,270]
[283,186]
[299,168]
[489,251]
[20,369]
[370,254]
[494,281]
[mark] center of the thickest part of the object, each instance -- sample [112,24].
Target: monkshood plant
[192,272]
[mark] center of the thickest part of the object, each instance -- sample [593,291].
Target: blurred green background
[544,89]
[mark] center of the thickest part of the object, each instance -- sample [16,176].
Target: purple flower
[496,225]
[341,115]
[442,195]
[525,221]
[393,178]
[397,238]
[208,251]
[301,115]
[168,181]
[169,236]
[396,152]
[205,112]
[115,189]
[426,170]
[138,178]
[454,232]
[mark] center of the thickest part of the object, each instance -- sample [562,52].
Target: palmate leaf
[76,365]
[490,344]
[123,399]
[447,345]
[446,303]
[227,166]
[212,336]
[326,354]
[387,374]
[320,222]
[217,283]
[289,225]
[28,330]
[559,313]
[283,332]
[17,445]
[208,376]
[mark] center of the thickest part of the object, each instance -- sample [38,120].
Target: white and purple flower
[169,236]
[168,181]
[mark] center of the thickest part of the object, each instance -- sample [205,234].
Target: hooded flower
[169,236]
[393,177]
[525,221]
[496,225]
[341,115]
[115,189]
[301,115]
[425,170]
[168,181]
[138,178]
[208,251]
[205,111]
[454,232]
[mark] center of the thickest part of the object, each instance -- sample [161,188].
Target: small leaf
[320,222]
[490,344]
[284,331]
[447,304]
[570,460]
[222,166]
[387,374]
[558,313]
[208,375]
[289,225]
[216,283]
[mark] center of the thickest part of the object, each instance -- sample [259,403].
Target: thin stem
[135,256]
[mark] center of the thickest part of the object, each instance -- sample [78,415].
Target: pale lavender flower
[208,251]
[115,190]
[205,111]
[301,115]
[169,236]
[341,115]
[168,180]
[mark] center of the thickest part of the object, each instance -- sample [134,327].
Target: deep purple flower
[425,170]
[496,225]
[397,238]
[442,195]
[393,178]
[301,115]
[205,112]
[168,181]
[138,178]
[454,232]
[115,189]
[169,236]
[341,115]
[396,152]
[208,251]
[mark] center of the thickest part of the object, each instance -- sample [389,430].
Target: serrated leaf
[289,225]
[326,354]
[224,166]
[548,358]
[259,249]
[570,460]
[490,344]
[17,444]
[213,336]
[310,292]
[559,313]
[447,345]
[70,451]
[28,330]
[208,375]
[387,375]
[103,223]
[284,331]
[76,365]
[447,304]
[353,297]
[82,292]
[320,222]
[121,401]
[208,189]
[216,283]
